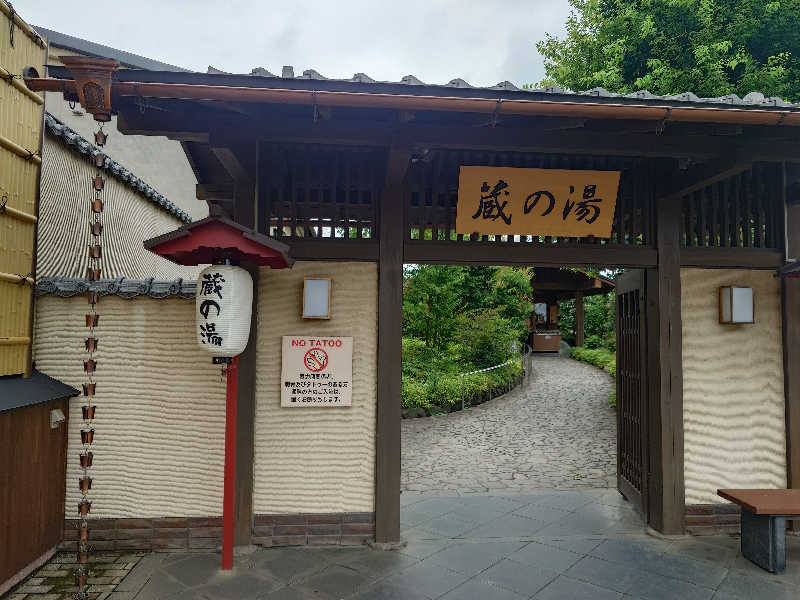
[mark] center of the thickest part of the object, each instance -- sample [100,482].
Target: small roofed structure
[216,238]
[551,285]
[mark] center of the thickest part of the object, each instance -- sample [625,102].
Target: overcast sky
[435,40]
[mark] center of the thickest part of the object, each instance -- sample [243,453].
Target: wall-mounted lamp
[736,305]
[316,298]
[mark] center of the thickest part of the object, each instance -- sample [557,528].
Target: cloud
[436,40]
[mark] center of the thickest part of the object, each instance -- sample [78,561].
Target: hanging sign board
[507,200]
[317,371]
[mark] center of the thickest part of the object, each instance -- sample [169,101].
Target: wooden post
[790,309]
[245,426]
[579,326]
[667,493]
[391,229]
[244,213]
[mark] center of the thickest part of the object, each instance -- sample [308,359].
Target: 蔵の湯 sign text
[556,202]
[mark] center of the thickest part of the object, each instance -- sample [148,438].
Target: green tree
[432,303]
[512,296]
[709,47]
[478,286]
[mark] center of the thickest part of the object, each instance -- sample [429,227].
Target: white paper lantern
[223,309]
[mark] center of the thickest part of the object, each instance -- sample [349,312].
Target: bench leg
[764,541]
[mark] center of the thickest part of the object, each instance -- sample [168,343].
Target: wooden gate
[632,388]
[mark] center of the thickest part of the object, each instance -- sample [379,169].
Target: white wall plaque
[316,371]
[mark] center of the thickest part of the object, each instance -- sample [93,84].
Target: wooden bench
[764,514]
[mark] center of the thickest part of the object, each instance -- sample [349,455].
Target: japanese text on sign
[317,371]
[507,200]
[211,285]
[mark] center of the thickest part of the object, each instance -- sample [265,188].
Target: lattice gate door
[632,388]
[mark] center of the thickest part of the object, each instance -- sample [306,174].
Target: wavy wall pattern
[733,398]
[159,440]
[314,459]
[129,218]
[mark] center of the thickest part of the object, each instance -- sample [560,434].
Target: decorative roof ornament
[458,83]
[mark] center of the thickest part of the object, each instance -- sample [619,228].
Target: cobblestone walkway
[554,432]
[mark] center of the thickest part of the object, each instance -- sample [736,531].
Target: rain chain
[90,366]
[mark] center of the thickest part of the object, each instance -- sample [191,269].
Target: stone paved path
[569,545]
[56,579]
[555,432]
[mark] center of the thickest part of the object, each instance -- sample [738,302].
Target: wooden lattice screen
[743,211]
[433,193]
[317,191]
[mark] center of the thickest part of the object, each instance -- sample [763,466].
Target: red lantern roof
[214,239]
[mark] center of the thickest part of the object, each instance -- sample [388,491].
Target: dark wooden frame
[634,282]
[390,354]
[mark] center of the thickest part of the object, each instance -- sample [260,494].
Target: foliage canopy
[709,47]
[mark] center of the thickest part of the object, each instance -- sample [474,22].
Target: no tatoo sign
[316,371]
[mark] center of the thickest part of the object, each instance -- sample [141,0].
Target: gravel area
[555,431]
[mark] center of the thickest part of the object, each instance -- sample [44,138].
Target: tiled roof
[67,287]
[128,59]
[83,146]
[753,99]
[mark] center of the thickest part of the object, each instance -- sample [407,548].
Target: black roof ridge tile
[73,139]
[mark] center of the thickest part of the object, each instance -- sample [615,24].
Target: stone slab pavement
[556,431]
[55,580]
[547,546]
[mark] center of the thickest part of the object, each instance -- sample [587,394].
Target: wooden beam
[333,250]
[227,129]
[731,258]
[390,356]
[214,192]
[579,325]
[710,173]
[545,255]
[235,167]
[567,286]
[666,405]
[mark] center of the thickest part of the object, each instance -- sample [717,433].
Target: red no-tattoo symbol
[316,360]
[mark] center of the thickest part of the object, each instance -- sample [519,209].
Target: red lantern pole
[230,464]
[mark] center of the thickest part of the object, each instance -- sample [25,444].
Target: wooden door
[632,387]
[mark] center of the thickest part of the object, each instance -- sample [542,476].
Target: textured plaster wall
[159,431]
[128,217]
[157,160]
[734,427]
[314,459]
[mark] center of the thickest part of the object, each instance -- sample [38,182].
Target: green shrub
[413,348]
[593,342]
[415,393]
[612,399]
[599,357]
[444,390]
[487,340]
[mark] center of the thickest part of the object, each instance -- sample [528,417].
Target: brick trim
[712,519]
[205,533]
